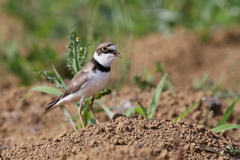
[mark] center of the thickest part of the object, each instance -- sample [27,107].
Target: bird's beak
[117,54]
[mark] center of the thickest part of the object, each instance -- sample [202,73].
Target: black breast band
[98,66]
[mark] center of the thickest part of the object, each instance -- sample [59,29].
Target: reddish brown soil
[187,59]
[136,138]
[25,133]
[31,135]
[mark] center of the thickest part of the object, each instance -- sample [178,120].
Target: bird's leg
[91,108]
[80,113]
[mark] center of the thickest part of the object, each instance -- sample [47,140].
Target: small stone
[89,125]
[140,117]
[186,147]
[187,138]
[164,154]
[121,142]
[57,140]
[117,115]
[115,141]
[92,142]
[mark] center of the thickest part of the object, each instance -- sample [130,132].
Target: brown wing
[78,80]
[76,83]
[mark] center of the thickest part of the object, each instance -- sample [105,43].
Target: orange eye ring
[104,49]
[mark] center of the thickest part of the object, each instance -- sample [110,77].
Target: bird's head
[105,53]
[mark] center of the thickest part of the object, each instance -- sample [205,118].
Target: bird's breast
[96,81]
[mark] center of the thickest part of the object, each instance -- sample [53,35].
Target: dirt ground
[25,133]
[186,59]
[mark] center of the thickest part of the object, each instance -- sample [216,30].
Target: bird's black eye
[104,49]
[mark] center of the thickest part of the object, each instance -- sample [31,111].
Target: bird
[89,80]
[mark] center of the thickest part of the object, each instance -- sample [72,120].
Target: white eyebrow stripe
[112,47]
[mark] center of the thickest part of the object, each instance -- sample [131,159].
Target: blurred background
[197,42]
[183,38]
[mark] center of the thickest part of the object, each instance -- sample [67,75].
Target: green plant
[216,89]
[227,151]
[146,83]
[201,84]
[76,56]
[228,112]
[231,150]
[24,66]
[150,112]
[181,116]
[222,124]
[161,70]
[127,18]
[153,105]
[225,127]
[136,109]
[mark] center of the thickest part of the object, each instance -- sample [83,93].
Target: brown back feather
[76,83]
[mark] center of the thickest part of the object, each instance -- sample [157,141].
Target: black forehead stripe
[110,45]
[107,45]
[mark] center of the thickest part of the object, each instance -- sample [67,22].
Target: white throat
[104,59]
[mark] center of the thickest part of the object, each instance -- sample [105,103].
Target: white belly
[97,81]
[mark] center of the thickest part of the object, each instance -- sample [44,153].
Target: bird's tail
[51,105]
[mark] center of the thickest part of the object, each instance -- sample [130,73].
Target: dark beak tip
[117,54]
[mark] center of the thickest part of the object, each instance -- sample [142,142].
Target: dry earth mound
[129,138]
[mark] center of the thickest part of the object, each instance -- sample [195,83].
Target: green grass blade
[129,112]
[170,86]
[107,110]
[153,106]
[228,112]
[185,112]
[115,98]
[200,84]
[86,113]
[224,127]
[58,76]
[44,89]
[207,148]
[141,111]
[67,114]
